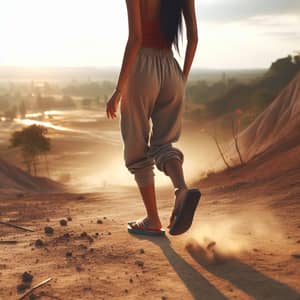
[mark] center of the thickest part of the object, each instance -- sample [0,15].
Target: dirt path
[255,256]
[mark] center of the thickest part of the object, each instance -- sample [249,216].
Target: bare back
[150,9]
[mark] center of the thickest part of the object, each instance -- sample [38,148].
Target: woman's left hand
[112,105]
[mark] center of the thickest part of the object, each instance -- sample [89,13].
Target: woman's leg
[136,106]
[173,168]
[149,198]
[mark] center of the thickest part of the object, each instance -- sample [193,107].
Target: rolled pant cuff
[172,154]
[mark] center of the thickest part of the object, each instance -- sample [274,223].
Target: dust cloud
[230,236]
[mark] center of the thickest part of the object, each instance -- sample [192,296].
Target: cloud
[235,10]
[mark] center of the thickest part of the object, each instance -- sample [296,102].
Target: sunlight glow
[94,33]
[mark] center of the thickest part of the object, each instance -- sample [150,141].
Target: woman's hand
[112,105]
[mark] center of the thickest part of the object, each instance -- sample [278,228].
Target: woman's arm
[192,36]
[133,45]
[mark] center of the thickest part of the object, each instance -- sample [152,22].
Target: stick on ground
[8,241]
[35,287]
[16,226]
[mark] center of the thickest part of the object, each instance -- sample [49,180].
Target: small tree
[33,143]
[235,125]
[22,109]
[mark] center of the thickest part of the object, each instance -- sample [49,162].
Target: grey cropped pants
[151,113]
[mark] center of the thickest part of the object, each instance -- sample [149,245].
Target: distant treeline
[223,97]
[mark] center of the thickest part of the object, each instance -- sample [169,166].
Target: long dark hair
[171,20]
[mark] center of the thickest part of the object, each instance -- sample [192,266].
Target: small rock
[142,251]
[99,221]
[33,297]
[66,235]
[91,249]
[211,245]
[298,242]
[63,222]
[79,268]
[49,230]
[97,233]
[82,246]
[83,234]
[126,291]
[69,218]
[81,197]
[105,219]
[109,233]
[139,263]
[22,287]
[255,249]
[69,254]
[131,280]
[296,256]
[27,277]
[39,243]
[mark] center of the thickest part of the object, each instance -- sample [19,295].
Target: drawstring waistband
[156,51]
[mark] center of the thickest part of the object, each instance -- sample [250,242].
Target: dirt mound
[13,179]
[274,125]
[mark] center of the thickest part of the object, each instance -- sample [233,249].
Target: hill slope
[274,125]
[13,179]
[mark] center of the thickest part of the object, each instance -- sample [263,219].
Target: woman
[151,85]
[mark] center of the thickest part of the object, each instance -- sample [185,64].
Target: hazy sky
[232,33]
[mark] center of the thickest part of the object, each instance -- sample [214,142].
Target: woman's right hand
[112,105]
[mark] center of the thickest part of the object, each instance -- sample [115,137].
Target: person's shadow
[244,277]
[198,286]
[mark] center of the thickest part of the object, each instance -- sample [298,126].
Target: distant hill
[13,179]
[258,94]
[251,98]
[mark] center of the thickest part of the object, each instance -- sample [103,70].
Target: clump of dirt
[63,222]
[27,277]
[39,243]
[49,230]
[208,253]
[26,282]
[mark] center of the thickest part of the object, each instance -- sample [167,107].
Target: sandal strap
[141,224]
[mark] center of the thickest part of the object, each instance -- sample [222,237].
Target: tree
[22,109]
[33,143]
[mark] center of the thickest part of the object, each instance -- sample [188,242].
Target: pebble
[22,287]
[63,222]
[99,221]
[39,243]
[139,263]
[33,297]
[49,230]
[27,277]
[69,254]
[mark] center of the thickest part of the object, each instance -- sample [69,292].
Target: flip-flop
[184,217]
[144,229]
